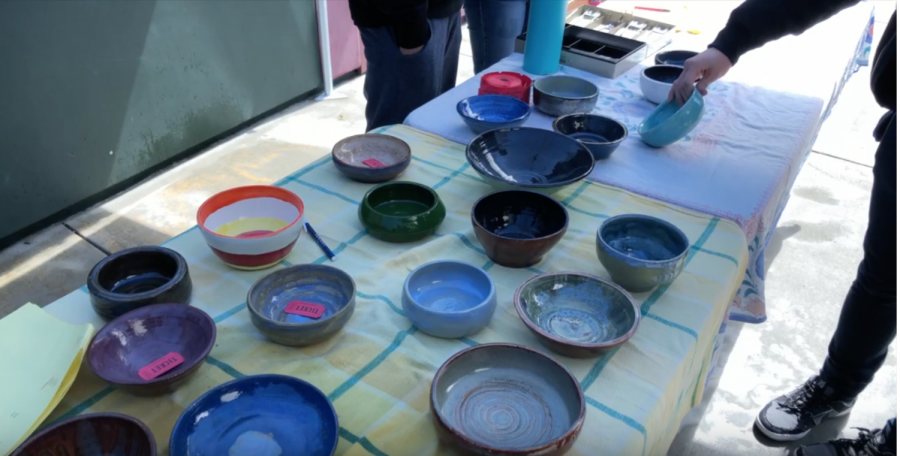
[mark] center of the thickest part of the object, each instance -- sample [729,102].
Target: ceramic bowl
[517,227]
[656,82]
[487,112]
[276,301]
[641,252]
[529,159]
[676,58]
[140,276]
[371,158]
[93,434]
[506,400]
[449,299]
[258,415]
[577,314]
[602,135]
[560,95]
[401,211]
[251,227]
[669,123]
[135,352]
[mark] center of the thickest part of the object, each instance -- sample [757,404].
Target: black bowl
[674,57]
[602,135]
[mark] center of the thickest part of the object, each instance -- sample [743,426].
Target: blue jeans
[493,28]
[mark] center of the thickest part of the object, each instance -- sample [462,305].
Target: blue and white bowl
[487,112]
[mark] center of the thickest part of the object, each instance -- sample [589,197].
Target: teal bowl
[669,123]
[401,212]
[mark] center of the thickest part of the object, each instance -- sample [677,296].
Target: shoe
[792,416]
[869,443]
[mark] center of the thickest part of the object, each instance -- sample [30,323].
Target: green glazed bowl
[401,211]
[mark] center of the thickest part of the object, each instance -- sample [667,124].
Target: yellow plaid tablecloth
[378,370]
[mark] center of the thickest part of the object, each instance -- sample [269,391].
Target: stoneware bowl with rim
[252,227]
[276,303]
[258,415]
[674,57]
[371,158]
[669,123]
[656,82]
[401,211]
[506,400]
[576,314]
[561,95]
[135,352]
[641,252]
[92,434]
[602,135]
[487,112]
[448,298]
[518,227]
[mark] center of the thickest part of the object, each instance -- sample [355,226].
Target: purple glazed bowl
[94,434]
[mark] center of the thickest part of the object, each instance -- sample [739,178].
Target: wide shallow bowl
[259,415]
[487,112]
[152,350]
[575,314]
[140,276]
[401,211]
[93,434]
[641,252]
[560,95]
[676,57]
[602,135]
[669,123]
[276,303]
[518,227]
[506,400]
[449,298]
[656,82]
[371,158]
[529,159]
[252,227]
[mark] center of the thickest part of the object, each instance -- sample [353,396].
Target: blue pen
[319,241]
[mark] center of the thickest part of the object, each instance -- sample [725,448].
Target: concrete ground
[811,261]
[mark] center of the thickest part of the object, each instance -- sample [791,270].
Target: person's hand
[411,51]
[702,69]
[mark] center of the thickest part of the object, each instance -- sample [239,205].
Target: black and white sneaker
[869,443]
[792,416]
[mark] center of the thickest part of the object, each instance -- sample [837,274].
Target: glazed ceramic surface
[656,82]
[93,434]
[251,227]
[351,155]
[327,286]
[602,135]
[577,314]
[259,415]
[641,252]
[676,58]
[137,339]
[529,159]
[560,95]
[517,227]
[503,399]
[449,298]
[140,276]
[401,211]
[668,123]
[487,112]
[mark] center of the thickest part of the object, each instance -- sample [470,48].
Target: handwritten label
[373,163]
[161,366]
[306,309]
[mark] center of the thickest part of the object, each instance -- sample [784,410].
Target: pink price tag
[305,309]
[373,163]
[161,366]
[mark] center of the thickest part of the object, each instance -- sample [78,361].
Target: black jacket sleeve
[756,22]
[409,20]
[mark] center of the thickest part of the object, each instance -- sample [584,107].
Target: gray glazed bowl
[318,284]
[561,95]
[641,252]
[350,154]
[449,299]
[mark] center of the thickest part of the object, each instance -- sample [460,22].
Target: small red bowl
[506,83]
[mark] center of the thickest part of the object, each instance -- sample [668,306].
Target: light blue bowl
[449,299]
[487,112]
[668,123]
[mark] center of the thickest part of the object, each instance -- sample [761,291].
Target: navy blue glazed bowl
[487,112]
[371,158]
[259,415]
[602,135]
[641,252]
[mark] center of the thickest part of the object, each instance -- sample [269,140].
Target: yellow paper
[39,359]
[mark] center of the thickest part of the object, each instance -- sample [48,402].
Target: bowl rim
[583,148]
[484,303]
[642,130]
[564,228]
[459,435]
[670,225]
[517,295]
[516,101]
[596,92]
[403,144]
[590,114]
[20,450]
[295,267]
[181,271]
[365,200]
[256,191]
[174,373]
[659,56]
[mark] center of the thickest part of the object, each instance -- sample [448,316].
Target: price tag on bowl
[373,163]
[161,366]
[305,309]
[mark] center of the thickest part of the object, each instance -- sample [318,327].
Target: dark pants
[493,28]
[397,84]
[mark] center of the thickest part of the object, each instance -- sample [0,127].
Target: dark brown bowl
[95,434]
[135,340]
